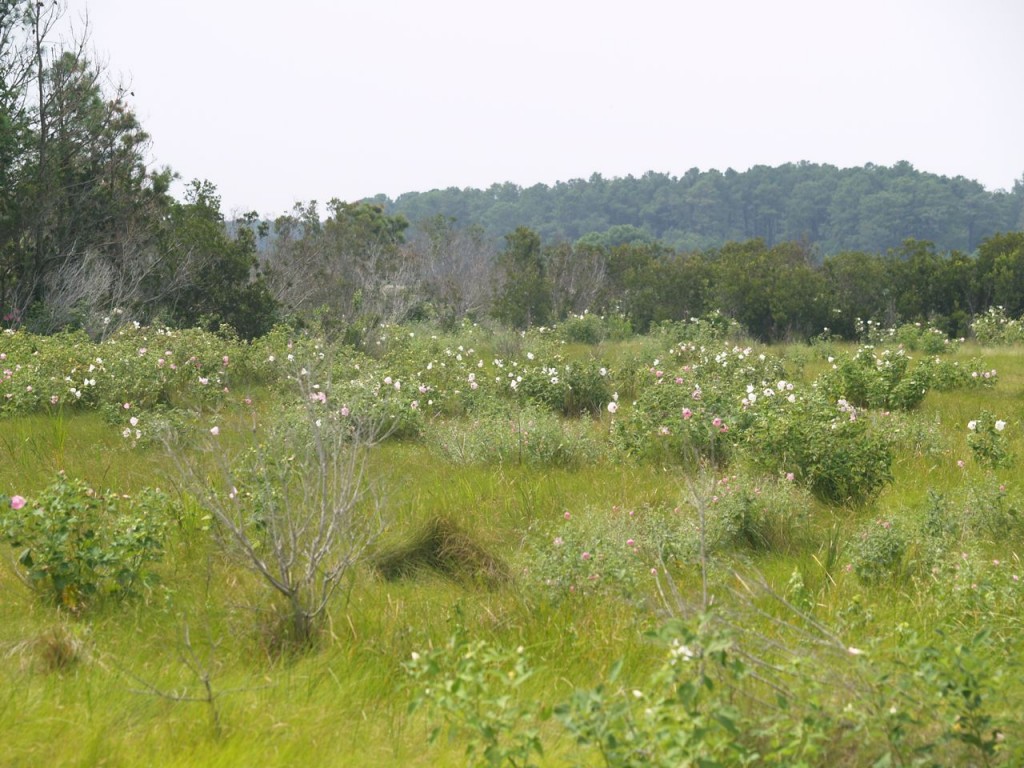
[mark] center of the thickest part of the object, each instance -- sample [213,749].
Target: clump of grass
[59,648]
[444,547]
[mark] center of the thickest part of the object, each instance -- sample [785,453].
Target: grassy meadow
[554,548]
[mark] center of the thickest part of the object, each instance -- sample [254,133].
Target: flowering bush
[75,544]
[617,551]
[987,440]
[994,328]
[833,449]
[871,379]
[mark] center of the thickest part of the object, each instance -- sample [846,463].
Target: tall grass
[122,684]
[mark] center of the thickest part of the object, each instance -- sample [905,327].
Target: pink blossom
[567,516]
[790,477]
[687,413]
[716,422]
[17,502]
[344,410]
[585,556]
[630,543]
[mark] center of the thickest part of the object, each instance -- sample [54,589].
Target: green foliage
[677,716]
[524,295]
[994,328]
[524,435]
[762,514]
[877,551]
[869,209]
[834,450]
[884,380]
[75,545]
[988,441]
[476,688]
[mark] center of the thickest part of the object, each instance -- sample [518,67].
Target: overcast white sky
[279,102]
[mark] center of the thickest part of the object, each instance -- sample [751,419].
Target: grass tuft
[443,547]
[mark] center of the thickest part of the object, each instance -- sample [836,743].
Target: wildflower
[972,425]
[613,407]
[687,413]
[790,477]
[559,541]
[344,410]
[17,502]
[134,421]
[585,556]
[1000,425]
[567,515]
[960,463]
[630,543]
[214,431]
[716,422]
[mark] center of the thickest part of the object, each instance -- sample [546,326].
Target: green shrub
[876,552]
[75,544]
[832,449]
[988,442]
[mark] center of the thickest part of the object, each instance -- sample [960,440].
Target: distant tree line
[90,236]
[871,208]
[362,267]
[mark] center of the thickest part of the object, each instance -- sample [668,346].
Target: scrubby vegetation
[565,546]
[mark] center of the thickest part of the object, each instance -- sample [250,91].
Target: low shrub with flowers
[592,329]
[617,551]
[75,545]
[995,328]
[988,442]
[834,449]
[913,336]
[691,405]
[872,378]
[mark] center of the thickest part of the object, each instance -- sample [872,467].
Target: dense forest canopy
[870,208]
